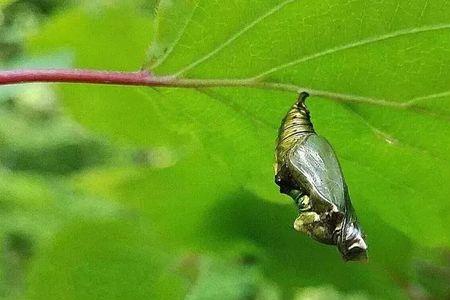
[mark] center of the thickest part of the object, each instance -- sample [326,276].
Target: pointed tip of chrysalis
[302,97]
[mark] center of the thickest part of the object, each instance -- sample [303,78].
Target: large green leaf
[103,260]
[375,55]
[193,217]
[395,52]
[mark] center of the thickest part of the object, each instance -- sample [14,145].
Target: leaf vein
[427,97]
[389,138]
[351,45]
[180,35]
[234,37]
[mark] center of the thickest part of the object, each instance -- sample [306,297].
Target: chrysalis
[307,169]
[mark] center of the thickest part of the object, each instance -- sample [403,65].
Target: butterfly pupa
[307,169]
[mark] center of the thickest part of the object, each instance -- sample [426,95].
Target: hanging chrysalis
[307,169]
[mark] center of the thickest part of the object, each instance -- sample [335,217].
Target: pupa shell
[307,169]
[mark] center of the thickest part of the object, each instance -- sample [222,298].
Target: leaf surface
[387,62]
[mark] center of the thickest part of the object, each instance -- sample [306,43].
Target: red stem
[145,78]
[141,78]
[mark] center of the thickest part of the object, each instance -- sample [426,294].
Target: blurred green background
[131,205]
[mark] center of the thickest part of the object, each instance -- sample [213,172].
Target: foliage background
[168,193]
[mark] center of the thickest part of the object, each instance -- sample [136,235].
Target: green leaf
[172,17]
[327,293]
[102,260]
[371,56]
[192,216]
[377,50]
[5,3]
[89,31]
[230,280]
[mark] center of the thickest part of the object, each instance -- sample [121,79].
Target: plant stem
[144,78]
[81,76]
